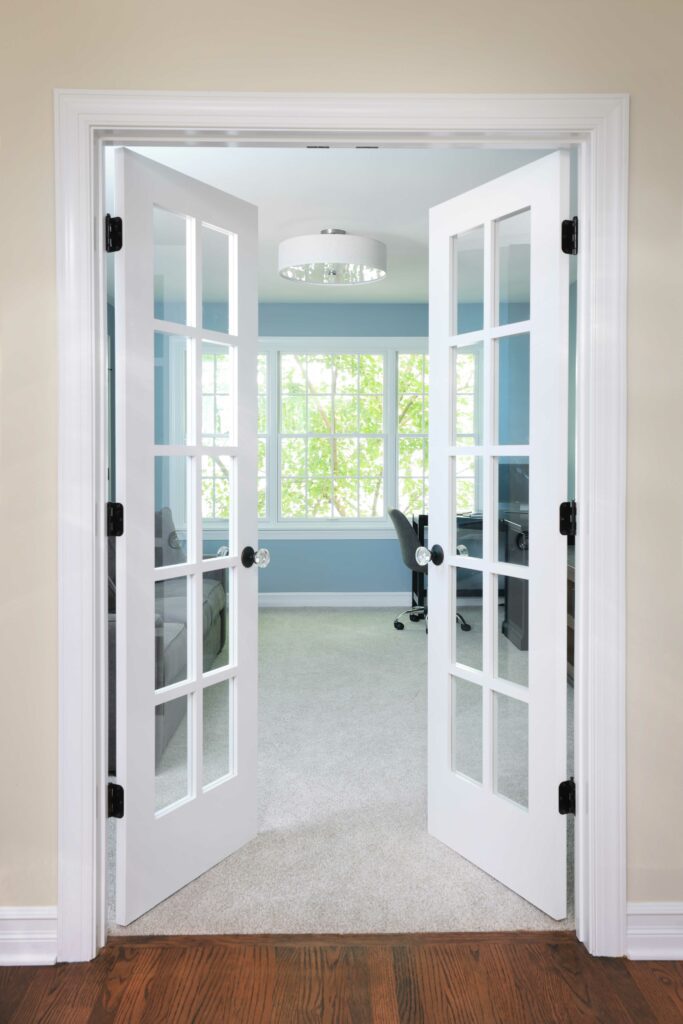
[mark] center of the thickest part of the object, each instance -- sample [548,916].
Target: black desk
[514,528]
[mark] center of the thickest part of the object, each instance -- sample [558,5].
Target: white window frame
[325,529]
[598,126]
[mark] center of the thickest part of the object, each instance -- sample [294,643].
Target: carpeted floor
[343,845]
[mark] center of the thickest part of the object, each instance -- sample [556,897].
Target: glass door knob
[259,557]
[423,556]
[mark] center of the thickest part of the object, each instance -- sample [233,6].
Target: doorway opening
[343,437]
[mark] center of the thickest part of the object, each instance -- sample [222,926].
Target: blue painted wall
[333,566]
[346,320]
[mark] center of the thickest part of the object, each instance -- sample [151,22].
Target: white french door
[498,455]
[186,337]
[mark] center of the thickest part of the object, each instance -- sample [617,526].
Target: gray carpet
[342,845]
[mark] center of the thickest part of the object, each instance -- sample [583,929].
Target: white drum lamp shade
[332,258]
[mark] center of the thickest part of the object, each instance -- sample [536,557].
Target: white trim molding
[28,936]
[335,599]
[654,931]
[597,125]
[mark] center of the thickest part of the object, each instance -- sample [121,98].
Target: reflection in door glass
[513,260]
[217,394]
[511,748]
[215,279]
[468,644]
[467,477]
[513,629]
[171,475]
[468,413]
[171,631]
[171,752]
[216,619]
[468,262]
[467,728]
[512,405]
[171,358]
[216,727]
[170,266]
[512,480]
[216,504]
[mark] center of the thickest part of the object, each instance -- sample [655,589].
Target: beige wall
[379,45]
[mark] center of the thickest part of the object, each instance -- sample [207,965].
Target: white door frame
[598,126]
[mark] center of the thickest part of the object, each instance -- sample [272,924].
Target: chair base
[416,614]
[419,614]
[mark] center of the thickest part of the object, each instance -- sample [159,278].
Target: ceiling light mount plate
[332,258]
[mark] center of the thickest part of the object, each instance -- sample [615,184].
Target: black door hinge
[113,233]
[568,519]
[570,236]
[114,800]
[566,796]
[114,519]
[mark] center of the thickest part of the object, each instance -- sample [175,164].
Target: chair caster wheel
[466,627]
[414,618]
[399,625]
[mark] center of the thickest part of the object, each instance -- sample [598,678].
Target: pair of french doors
[186,421]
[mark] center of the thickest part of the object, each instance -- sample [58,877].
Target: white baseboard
[336,599]
[654,931]
[28,936]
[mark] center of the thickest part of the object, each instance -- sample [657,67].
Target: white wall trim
[28,936]
[654,931]
[598,124]
[335,599]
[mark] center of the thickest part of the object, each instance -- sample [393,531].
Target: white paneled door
[186,338]
[498,450]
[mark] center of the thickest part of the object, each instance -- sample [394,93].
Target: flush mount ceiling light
[332,258]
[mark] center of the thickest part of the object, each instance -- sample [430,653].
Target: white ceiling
[383,193]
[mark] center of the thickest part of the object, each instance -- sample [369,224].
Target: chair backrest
[407,538]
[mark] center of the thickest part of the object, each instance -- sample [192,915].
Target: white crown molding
[28,936]
[654,931]
[598,124]
[335,599]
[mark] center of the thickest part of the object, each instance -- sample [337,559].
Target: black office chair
[410,542]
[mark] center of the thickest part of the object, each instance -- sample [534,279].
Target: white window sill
[311,531]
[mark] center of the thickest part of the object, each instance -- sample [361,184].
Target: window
[412,430]
[342,432]
[332,442]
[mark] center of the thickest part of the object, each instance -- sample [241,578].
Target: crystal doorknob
[423,556]
[260,558]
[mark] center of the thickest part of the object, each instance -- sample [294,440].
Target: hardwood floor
[535,977]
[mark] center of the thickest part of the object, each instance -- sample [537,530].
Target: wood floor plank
[321,983]
[125,989]
[63,994]
[535,978]
[13,983]
[454,984]
[381,981]
[236,985]
[661,984]
[410,1010]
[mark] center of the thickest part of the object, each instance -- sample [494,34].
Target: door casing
[597,125]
